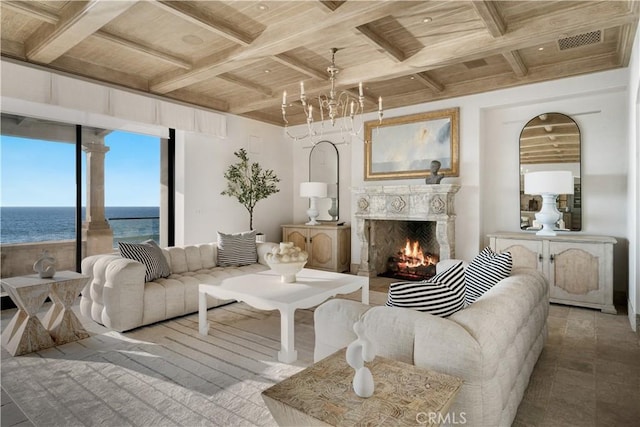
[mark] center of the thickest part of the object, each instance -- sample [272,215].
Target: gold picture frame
[403,147]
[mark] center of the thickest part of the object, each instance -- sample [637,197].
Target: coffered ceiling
[238,56]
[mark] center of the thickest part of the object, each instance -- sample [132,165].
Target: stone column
[95,230]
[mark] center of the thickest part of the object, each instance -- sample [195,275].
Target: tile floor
[588,373]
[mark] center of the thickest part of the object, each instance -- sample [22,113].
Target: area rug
[165,374]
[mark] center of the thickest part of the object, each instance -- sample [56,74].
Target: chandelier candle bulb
[284,98]
[301,88]
[379,103]
[360,89]
[352,108]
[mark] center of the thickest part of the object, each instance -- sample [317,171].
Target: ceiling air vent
[580,40]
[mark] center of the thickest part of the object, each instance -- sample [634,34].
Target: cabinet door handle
[310,239]
[551,257]
[540,258]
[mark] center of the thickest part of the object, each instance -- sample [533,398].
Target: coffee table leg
[365,293]
[203,324]
[287,353]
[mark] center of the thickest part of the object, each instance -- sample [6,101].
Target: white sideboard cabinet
[328,245]
[579,267]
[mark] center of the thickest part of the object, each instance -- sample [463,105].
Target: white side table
[25,333]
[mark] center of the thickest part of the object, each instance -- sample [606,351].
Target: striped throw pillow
[237,249]
[486,269]
[442,295]
[149,254]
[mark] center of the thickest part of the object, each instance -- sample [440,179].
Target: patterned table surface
[404,394]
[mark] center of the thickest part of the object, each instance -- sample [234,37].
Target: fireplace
[387,216]
[404,250]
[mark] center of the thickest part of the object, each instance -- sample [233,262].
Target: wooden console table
[323,394]
[26,333]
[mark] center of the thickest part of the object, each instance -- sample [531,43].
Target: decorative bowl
[287,270]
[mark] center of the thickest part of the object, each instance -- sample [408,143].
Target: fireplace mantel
[405,203]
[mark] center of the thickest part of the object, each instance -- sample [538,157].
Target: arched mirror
[323,167]
[551,142]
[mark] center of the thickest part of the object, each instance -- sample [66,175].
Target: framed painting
[404,147]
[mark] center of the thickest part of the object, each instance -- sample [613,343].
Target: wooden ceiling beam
[199,99]
[78,20]
[490,15]
[379,41]
[279,38]
[187,11]
[245,83]
[625,45]
[31,9]
[516,63]
[429,82]
[299,66]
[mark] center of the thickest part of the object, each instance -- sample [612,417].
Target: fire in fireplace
[411,263]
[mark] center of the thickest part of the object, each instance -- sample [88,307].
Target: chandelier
[344,109]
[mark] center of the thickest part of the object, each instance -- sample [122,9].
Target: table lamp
[314,191]
[548,184]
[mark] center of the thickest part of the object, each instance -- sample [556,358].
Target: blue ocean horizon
[41,224]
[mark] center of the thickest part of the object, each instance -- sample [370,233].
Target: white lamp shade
[313,189]
[548,182]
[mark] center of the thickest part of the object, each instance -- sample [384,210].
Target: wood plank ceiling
[238,56]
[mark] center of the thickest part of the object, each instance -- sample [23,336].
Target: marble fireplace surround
[404,203]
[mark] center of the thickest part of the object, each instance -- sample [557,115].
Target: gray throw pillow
[237,249]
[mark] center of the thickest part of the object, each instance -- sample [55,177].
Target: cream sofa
[117,296]
[493,344]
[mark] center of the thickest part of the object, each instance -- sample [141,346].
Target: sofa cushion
[149,254]
[237,249]
[486,269]
[442,295]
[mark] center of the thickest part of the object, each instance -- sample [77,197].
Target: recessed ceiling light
[540,49]
[427,19]
[191,39]
[412,77]
[267,71]
[263,7]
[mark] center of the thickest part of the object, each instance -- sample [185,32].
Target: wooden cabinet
[579,268]
[329,246]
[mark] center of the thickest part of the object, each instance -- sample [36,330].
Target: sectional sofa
[493,344]
[118,297]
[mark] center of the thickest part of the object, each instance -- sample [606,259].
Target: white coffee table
[265,291]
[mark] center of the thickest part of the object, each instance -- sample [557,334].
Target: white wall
[633,105]
[490,125]
[601,117]
[201,162]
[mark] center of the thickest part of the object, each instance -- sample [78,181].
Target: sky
[42,173]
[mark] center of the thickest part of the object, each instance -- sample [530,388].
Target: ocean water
[40,224]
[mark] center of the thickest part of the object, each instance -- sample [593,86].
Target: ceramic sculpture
[45,266]
[359,351]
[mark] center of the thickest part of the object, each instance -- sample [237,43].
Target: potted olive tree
[249,183]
